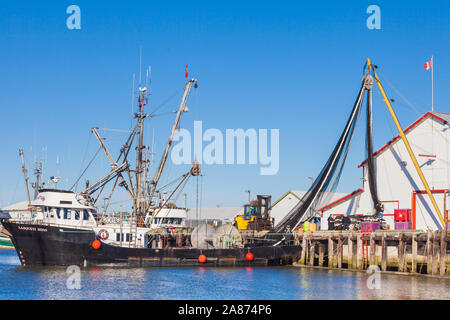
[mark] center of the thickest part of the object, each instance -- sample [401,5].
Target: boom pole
[111,160]
[181,109]
[405,141]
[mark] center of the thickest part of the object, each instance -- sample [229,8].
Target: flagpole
[432,84]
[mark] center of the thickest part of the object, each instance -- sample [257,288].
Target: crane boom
[181,109]
[113,163]
[405,141]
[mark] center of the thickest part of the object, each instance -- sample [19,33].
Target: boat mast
[25,176]
[141,205]
[37,173]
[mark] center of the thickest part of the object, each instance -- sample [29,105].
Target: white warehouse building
[398,183]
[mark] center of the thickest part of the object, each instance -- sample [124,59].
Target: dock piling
[416,251]
[383,252]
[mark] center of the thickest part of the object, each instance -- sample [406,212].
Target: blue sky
[294,66]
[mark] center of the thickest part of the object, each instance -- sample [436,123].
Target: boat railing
[117,218]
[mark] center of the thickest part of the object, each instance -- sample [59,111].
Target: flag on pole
[186,71]
[429,64]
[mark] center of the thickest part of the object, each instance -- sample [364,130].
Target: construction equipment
[256,215]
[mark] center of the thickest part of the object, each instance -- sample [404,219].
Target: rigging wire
[171,183]
[162,104]
[201,194]
[196,201]
[409,104]
[115,130]
[85,155]
[90,162]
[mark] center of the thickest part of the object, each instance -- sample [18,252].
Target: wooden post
[401,253]
[436,254]
[443,258]
[383,253]
[372,256]
[308,244]
[350,252]
[359,254]
[321,253]
[330,252]
[312,252]
[339,252]
[303,254]
[414,253]
[429,249]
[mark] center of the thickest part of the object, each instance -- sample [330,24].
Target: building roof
[220,213]
[438,116]
[299,194]
[296,193]
[19,206]
[338,201]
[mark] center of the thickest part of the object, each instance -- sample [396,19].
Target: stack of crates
[402,219]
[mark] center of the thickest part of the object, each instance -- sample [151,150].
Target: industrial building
[398,183]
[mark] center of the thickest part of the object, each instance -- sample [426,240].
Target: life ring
[103,234]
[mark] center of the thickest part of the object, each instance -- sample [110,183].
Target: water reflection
[208,283]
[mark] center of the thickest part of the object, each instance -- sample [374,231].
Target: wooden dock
[414,252]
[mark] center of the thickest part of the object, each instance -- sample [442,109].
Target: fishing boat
[67,228]
[70,230]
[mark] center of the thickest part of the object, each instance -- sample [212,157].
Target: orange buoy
[249,256]
[202,258]
[96,244]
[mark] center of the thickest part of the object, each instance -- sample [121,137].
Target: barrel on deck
[402,225]
[368,226]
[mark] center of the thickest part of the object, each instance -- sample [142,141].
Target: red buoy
[96,244]
[202,258]
[249,256]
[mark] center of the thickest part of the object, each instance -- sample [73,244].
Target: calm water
[207,283]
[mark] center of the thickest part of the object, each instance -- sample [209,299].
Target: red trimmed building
[399,186]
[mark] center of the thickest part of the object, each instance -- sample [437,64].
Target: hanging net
[325,184]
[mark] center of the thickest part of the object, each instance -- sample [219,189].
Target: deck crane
[372,68]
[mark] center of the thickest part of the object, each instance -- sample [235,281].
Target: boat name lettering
[33,229]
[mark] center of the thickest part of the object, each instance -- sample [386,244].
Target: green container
[306,226]
[5,242]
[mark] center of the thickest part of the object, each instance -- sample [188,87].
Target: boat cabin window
[120,237]
[58,213]
[77,215]
[67,214]
[50,212]
[85,215]
[168,221]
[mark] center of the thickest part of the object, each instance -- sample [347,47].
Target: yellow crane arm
[405,141]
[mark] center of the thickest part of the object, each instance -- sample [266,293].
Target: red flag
[186,71]
[429,64]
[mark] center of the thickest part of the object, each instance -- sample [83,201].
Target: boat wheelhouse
[60,207]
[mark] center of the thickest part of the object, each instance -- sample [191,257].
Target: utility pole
[249,198]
